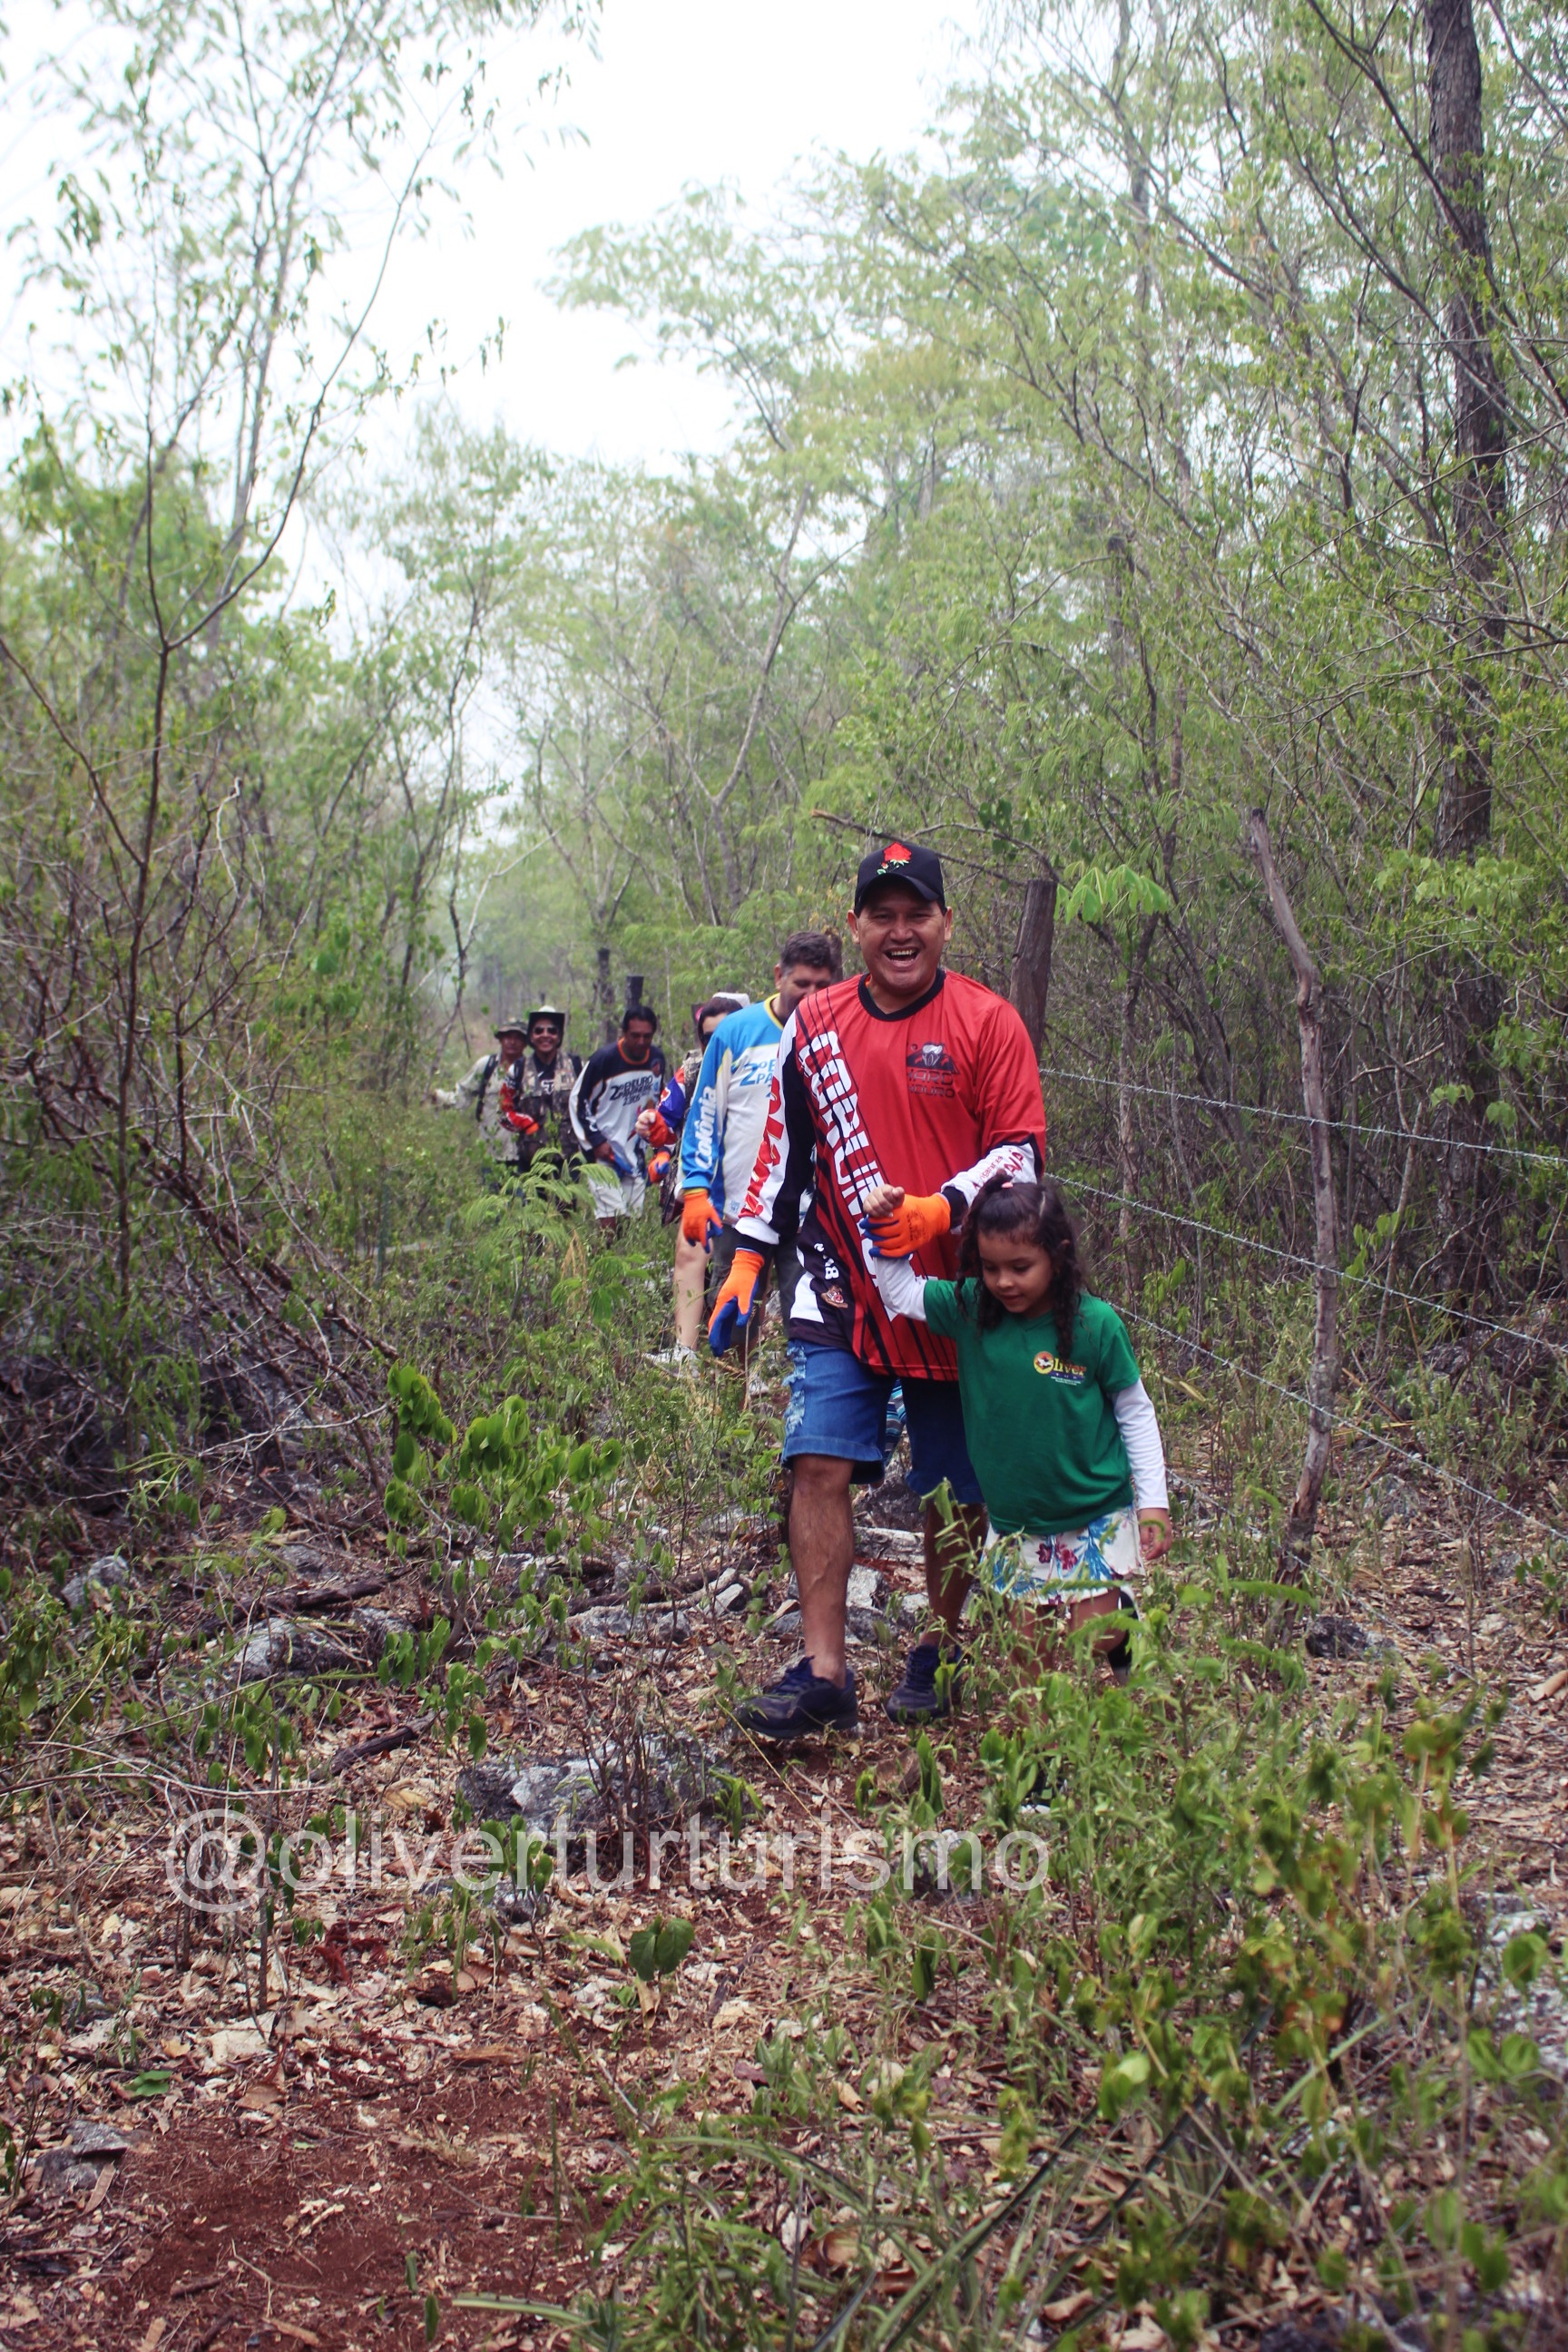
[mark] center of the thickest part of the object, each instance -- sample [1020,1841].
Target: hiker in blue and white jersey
[725,1121]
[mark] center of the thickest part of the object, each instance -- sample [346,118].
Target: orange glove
[520,1121]
[732,1308]
[699,1220]
[899,1232]
[656,1130]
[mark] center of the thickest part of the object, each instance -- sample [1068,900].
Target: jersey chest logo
[931,1070]
[1056,1368]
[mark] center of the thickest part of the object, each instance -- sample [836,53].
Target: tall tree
[1472,998]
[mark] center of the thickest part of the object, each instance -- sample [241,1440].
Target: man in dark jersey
[919,1076]
[615,1086]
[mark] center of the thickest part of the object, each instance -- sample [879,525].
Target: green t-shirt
[1042,1433]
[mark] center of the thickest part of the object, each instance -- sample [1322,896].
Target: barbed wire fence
[1374,1415]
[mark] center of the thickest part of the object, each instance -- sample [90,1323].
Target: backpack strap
[485,1086]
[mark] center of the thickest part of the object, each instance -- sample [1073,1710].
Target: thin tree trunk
[1192,1191]
[1322,1380]
[1126,1134]
[1471,998]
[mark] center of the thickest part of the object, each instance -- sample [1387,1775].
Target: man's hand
[899,1224]
[699,1220]
[1154,1535]
[654,1127]
[607,1153]
[731,1313]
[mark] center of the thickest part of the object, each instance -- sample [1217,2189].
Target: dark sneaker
[1119,1659]
[799,1703]
[917,1698]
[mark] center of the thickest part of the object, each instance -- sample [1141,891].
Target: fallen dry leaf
[232,2045]
[840,2249]
[1066,2307]
[849,2097]
[1550,1686]
[407,1797]
[1147,2335]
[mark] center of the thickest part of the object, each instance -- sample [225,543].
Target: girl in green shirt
[1060,1426]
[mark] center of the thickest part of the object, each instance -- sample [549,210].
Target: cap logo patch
[895,853]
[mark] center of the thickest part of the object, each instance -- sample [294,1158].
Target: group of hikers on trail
[878,1146]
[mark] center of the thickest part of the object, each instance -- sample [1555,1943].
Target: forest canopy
[1183,436]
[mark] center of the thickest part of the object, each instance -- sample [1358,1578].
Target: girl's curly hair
[1033,1213]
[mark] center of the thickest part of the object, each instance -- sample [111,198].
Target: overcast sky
[681,92]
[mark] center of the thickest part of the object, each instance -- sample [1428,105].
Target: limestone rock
[654,1624]
[290,1645]
[110,1572]
[1342,1637]
[664,1780]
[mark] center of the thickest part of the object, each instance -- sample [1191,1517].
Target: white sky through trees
[680,91]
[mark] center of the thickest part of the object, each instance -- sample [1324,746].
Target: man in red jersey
[918,1077]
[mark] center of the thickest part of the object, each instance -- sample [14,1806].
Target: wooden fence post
[1031,980]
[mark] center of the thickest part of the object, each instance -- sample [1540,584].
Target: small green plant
[658,1949]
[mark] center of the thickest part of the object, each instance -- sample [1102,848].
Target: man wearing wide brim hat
[519,1095]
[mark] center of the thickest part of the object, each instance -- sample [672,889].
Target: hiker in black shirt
[617,1084]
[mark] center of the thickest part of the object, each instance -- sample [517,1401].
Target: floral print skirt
[1063,1568]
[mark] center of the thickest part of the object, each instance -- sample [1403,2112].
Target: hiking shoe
[800,1702]
[1120,1658]
[916,1698]
[674,1360]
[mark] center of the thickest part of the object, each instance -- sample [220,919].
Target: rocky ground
[390,2119]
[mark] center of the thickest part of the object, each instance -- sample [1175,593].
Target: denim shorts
[837,1407]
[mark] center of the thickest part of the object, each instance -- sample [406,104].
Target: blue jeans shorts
[839,1408]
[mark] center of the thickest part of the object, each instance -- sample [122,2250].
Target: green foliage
[658,1949]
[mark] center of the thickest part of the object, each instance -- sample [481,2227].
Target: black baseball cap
[902,861]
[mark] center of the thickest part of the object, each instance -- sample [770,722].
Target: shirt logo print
[930,1069]
[1056,1368]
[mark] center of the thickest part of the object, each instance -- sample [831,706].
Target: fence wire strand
[1356,1429]
[1301,1118]
[1295,1257]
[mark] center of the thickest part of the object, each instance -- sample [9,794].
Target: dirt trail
[277,2191]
